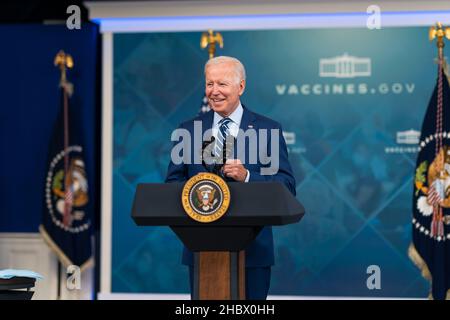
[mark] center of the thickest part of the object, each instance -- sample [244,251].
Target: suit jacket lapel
[207,121]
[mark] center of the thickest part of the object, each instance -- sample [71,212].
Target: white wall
[28,251]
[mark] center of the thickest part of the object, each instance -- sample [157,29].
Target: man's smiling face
[223,88]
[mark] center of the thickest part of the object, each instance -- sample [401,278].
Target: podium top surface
[251,204]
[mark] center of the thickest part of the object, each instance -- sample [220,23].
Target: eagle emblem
[205,197]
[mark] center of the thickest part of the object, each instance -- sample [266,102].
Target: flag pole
[64,61]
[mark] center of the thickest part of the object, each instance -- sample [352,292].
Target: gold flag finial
[440,33]
[210,39]
[64,61]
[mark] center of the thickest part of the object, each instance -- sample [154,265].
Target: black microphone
[206,143]
[211,164]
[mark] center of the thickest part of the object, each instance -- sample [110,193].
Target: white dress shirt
[236,118]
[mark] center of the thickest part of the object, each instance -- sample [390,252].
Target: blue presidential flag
[430,248]
[67,218]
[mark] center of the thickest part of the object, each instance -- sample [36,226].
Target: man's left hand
[234,168]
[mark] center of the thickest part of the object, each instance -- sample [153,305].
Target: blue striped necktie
[222,134]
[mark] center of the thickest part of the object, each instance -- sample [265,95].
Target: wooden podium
[219,260]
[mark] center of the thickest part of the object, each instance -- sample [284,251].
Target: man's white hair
[239,69]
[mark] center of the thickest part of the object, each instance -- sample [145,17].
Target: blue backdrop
[351,102]
[30,102]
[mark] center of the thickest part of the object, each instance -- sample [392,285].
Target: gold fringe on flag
[60,254]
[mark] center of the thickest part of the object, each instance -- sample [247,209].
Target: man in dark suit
[225,83]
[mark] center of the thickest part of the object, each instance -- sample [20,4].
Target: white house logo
[342,72]
[345,66]
[407,142]
[408,137]
[289,137]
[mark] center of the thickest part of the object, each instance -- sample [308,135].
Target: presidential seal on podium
[205,197]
